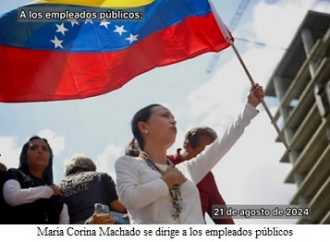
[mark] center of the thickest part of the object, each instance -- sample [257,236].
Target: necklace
[175,192]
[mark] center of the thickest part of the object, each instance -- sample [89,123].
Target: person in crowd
[194,143]
[29,192]
[83,186]
[3,170]
[150,187]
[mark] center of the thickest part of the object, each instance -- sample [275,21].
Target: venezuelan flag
[80,55]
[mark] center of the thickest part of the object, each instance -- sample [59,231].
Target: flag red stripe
[30,75]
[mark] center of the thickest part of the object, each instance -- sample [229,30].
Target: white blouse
[146,195]
[14,195]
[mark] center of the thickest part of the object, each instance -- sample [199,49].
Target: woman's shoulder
[18,175]
[127,160]
[14,173]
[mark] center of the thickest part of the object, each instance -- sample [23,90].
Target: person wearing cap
[83,186]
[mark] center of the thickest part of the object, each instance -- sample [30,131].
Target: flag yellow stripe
[101,3]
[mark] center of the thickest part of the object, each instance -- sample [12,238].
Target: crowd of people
[151,186]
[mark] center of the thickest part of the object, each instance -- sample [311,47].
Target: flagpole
[230,40]
[262,101]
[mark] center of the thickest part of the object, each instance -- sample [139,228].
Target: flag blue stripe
[93,37]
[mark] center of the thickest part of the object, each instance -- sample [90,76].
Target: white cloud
[218,101]
[56,142]
[106,160]
[218,92]
[322,6]
[275,24]
[9,151]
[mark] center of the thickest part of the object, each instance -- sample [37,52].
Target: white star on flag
[89,20]
[104,23]
[61,29]
[120,29]
[57,43]
[73,22]
[132,38]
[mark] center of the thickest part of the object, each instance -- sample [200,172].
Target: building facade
[301,84]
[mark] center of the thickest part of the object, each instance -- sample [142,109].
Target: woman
[150,187]
[29,192]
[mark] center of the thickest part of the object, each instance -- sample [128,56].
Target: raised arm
[199,166]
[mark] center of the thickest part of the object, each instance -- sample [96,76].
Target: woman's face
[161,126]
[38,154]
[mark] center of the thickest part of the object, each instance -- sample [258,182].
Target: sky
[210,89]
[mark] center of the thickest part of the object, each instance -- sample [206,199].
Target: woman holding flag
[150,187]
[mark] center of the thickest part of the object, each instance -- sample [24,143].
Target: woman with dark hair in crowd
[29,191]
[150,187]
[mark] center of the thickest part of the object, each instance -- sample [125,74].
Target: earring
[146,132]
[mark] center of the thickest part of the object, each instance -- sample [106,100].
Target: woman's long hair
[24,165]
